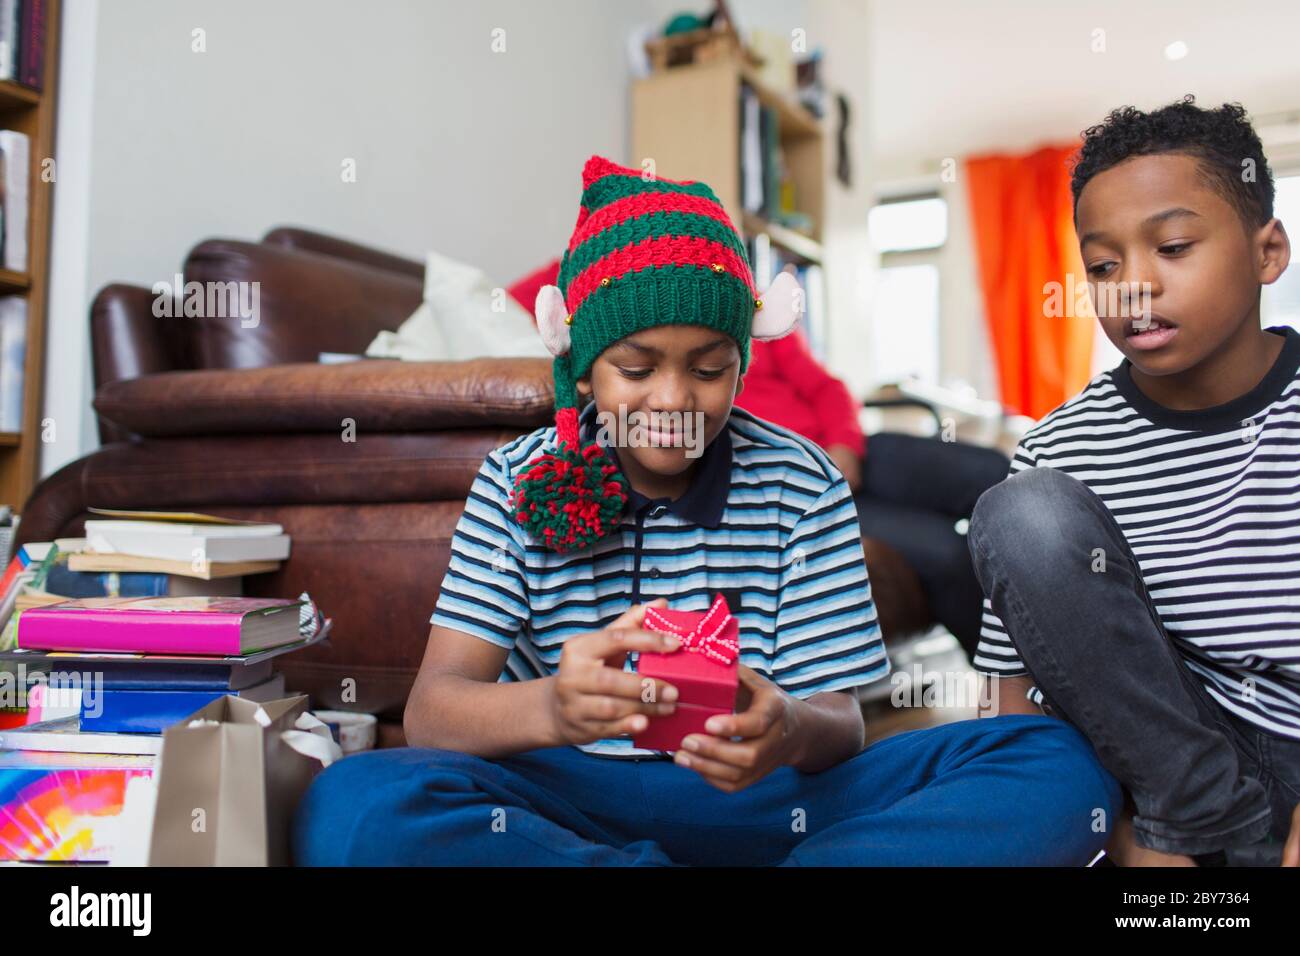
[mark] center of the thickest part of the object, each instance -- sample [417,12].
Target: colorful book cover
[79,584]
[38,704]
[159,625]
[64,807]
[21,560]
[151,711]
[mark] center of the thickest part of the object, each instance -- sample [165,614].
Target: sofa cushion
[379,395]
[299,304]
[287,469]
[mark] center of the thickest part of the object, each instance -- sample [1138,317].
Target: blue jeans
[1201,779]
[1024,790]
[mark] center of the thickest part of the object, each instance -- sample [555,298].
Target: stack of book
[139,554]
[180,543]
[92,678]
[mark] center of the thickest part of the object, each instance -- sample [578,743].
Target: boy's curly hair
[1221,140]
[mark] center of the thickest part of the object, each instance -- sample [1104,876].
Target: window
[909,232]
[1281,300]
[905,333]
[908,224]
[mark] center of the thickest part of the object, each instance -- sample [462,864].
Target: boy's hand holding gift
[702,668]
[592,697]
[766,720]
[707,672]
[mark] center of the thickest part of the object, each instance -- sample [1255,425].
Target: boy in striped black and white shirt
[1142,563]
[528,692]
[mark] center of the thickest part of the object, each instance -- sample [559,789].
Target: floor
[931,683]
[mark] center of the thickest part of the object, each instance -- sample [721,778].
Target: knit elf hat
[645,252]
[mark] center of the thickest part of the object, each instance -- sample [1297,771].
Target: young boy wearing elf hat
[521,715]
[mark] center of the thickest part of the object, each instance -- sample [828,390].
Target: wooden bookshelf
[687,119]
[33,113]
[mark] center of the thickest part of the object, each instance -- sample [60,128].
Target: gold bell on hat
[718,267]
[568,319]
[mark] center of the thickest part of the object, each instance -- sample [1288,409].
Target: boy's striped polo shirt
[768,521]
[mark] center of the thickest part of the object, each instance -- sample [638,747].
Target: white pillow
[463,316]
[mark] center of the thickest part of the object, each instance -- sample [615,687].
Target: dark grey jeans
[1200,779]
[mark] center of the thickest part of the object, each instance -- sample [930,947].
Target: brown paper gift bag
[230,778]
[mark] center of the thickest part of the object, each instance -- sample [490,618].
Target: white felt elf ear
[782,305]
[551,313]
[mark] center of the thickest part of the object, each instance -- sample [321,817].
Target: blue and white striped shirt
[768,521]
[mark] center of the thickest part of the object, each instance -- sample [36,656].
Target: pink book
[161,625]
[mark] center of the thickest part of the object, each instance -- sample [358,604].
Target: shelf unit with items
[24,292]
[761,151]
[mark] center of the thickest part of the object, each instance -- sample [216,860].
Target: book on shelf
[768,259]
[31,45]
[10,31]
[22,42]
[13,356]
[751,151]
[16,150]
[766,182]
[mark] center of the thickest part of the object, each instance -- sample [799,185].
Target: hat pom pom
[571,498]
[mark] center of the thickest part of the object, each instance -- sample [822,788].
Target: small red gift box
[703,669]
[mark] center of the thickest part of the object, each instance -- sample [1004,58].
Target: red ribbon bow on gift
[705,637]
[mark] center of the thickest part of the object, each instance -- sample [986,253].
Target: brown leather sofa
[366,464]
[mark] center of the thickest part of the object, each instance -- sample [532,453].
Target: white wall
[457,148]
[842,28]
[68,377]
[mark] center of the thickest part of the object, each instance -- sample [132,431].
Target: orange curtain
[1022,217]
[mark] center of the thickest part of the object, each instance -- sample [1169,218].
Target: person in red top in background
[910,492]
[786,385]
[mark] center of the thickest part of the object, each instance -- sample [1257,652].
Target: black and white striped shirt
[1209,501]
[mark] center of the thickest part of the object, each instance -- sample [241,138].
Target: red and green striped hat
[645,252]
